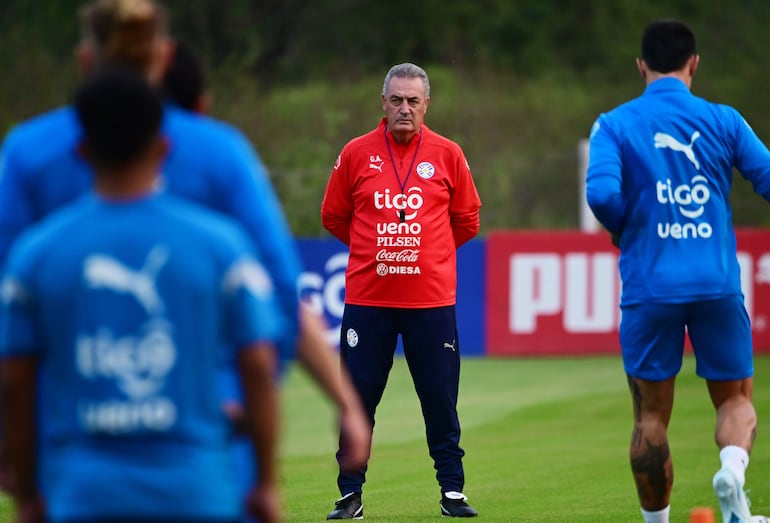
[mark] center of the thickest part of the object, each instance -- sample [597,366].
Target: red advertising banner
[556,292]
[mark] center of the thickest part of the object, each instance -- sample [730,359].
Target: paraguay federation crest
[425,170]
[352,337]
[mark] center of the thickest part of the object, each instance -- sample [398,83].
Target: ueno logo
[412,201]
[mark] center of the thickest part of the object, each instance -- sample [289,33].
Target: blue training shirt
[210,162]
[660,173]
[128,305]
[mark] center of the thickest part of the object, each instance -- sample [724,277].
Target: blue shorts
[652,339]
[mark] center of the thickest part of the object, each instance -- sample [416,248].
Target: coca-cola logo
[405,255]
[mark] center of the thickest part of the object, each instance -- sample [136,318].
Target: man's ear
[164,55]
[642,68]
[160,147]
[204,102]
[692,65]
[84,57]
[169,49]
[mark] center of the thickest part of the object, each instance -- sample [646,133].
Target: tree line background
[516,83]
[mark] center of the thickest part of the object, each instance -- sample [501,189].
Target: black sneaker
[348,506]
[454,505]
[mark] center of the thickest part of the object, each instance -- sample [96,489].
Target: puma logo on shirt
[663,140]
[102,271]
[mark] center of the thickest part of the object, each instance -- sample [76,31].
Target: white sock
[658,516]
[736,459]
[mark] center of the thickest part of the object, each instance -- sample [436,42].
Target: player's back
[133,304]
[209,162]
[677,152]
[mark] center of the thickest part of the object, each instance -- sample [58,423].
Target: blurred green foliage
[516,83]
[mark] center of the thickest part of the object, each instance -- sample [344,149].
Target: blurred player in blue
[659,178]
[114,310]
[185,82]
[209,162]
[185,85]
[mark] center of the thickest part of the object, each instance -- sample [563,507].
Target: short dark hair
[667,45]
[120,114]
[185,79]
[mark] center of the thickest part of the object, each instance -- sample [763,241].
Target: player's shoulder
[181,124]
[55,230]
[621,119]
[722,110]
[626,108]
[200,221]
[435,139]
[44,133]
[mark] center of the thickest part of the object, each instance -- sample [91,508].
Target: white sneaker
[732,499]
[759,519]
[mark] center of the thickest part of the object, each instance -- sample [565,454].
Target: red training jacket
[403,216]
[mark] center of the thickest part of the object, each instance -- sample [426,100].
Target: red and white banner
[556,292]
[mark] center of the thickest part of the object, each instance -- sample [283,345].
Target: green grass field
[545,439]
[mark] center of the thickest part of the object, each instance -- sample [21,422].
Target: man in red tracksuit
[403,199]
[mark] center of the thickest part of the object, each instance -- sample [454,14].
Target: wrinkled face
[405,106]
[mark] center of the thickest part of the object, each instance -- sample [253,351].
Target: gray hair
[407,70]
